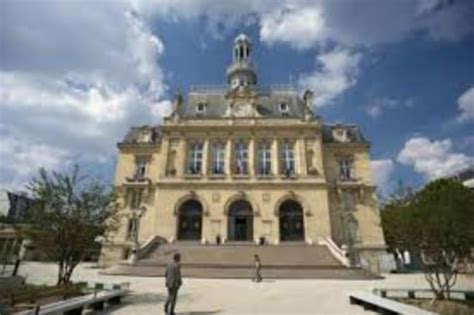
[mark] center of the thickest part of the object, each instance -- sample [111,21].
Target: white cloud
[466,105]
[301,27]
[20,159]
[336,71]
[73,78]
[218,17]
[304,23]
[432,159]
[381,105]
[382,170]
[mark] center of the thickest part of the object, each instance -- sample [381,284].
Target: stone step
[243,255]
[246,273]
[295,260]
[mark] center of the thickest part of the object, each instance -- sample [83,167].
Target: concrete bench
[95,301]
[412,293]
[385,306]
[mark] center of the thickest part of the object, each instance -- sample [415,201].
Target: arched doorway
[291,221]
[190,220]
[240,221]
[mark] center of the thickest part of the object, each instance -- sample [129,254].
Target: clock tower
[241,73]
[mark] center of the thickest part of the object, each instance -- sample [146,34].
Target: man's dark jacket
[173,275]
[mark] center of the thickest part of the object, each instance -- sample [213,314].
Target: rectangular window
[264,158]
[195,158]
[218,158]
[200,109]
[346,170]
[140,167]
[135,199]
[145,137]
[287,158]
[284,109]
[241,158]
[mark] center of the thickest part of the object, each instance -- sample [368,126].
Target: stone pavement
[236,296]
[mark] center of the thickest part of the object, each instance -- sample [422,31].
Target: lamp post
[136,215]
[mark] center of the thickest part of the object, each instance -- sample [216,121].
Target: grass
[29,295]
[442,307]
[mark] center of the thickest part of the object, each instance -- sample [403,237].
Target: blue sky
[74,76]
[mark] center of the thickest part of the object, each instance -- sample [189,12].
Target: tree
[73,210]
[437,221]
[444,219]
[396,219]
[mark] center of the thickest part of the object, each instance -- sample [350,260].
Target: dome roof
[242,38]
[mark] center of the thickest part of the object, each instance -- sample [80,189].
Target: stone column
[164,163]
[228,157]
[181,156]
[205,157]
[252,154]
[302,164]
[275,157]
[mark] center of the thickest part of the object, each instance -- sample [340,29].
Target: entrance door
[190,221]
[240,221]
[291,221]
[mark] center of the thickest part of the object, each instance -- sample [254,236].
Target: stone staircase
[292,260]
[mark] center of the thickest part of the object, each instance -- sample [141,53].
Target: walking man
[258,267]
[173,282]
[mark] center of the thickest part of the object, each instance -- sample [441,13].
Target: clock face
[242,109]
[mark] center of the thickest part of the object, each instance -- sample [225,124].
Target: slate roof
[354,134]
[268,103]
[133,135]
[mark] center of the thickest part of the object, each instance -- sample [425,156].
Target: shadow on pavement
[144,298]
[198,312]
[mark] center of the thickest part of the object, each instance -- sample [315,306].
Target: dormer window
[340,134]
[284,109]
[200,109]
[145,136]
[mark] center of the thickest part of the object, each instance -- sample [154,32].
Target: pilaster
[302,163]
[205,157]
[181,157]
[163,160]
[275,157]
[228,156]
[252,156]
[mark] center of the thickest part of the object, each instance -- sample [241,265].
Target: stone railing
[149,245]
[337,252]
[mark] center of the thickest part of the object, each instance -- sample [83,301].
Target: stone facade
[246,164]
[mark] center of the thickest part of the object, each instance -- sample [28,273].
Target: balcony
[264,174]
[288,173]
[217,175]
[193,173]
[138,180]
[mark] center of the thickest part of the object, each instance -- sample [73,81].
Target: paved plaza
[218,296]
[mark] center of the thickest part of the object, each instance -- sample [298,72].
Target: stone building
[242,163]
